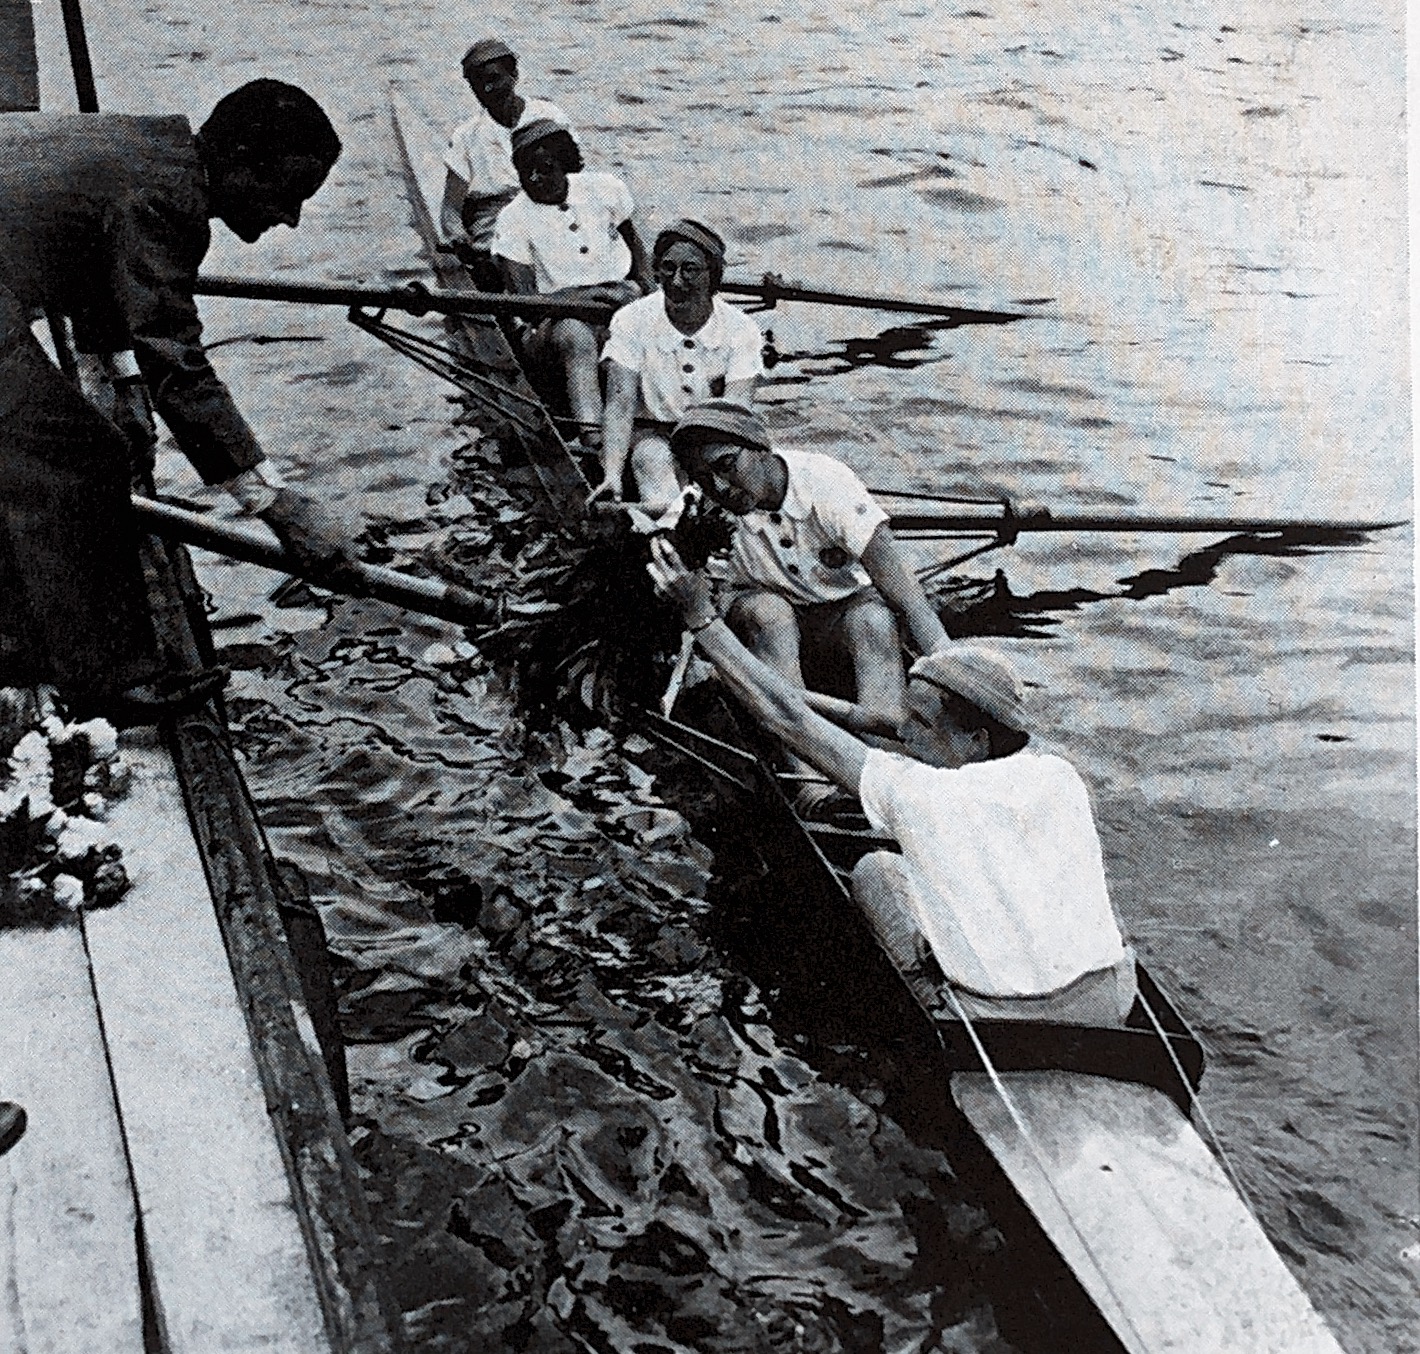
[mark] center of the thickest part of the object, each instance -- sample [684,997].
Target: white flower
[68,892]
[31,777]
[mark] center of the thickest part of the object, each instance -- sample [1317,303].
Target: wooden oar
[416,299]
[991,520]
[771,289]
[425,596]
[420,300]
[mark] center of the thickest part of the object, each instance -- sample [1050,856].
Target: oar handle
[424,596]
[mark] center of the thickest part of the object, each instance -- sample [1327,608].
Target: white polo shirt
[1011,893]
[575,243]
[678,370]
[808,551]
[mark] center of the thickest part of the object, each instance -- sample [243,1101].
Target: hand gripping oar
[425,596]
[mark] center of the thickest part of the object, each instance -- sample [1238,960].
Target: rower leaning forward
[997,905]
[105,218]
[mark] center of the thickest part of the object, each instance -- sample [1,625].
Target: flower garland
[56,850]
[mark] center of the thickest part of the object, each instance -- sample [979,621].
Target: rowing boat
[1090,1130]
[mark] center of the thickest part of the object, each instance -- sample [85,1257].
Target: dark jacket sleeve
[157,250]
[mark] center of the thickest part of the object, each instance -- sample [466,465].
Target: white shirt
[481,150]
[1012,896]
[808,551]
[575,243]
[678,370]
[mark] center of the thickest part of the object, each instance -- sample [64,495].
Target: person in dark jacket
[105,218]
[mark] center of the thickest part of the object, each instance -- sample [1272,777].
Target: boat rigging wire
[1195,1105]
[1034,1148]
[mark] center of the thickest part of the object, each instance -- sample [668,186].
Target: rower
[480,179]
[999,889]
[672,349]
[105,218]
[570,235]
[813,565]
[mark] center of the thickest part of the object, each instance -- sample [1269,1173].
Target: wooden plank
[228,1261]
[1144,1215]
[360,1314]
[68,1244]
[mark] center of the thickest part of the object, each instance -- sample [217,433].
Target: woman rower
[668,351]
[569,235]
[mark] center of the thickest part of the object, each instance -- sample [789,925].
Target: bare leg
[869,632]
[575,343]
[657,484]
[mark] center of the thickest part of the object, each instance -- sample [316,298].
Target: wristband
[704,625]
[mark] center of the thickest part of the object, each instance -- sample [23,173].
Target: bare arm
[640,261]
[451,208]
[623,390]
[902,592]
[773,701]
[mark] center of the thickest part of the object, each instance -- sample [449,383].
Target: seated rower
[569,234]
[480,179]
[667,351]
[1000,881]
[813,559]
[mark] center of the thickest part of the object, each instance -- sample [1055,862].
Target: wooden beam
[228,1262]
[69,1280]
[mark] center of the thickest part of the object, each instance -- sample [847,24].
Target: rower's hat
[484,51]
[530,133]
[737,422]
[979,675]
[702,237]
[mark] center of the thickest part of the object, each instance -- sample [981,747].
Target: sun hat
[486,50]
[735,421]
[978,675]
[702,237]
[530,133]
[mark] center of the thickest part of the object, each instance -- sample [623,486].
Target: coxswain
[999,889]
[813,565]
[480,179]
[678,346]
[569,234]
[105,218]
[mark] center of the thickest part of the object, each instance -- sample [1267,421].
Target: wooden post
[19,68]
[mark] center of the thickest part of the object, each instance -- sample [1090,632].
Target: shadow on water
[899,348]
[988,607]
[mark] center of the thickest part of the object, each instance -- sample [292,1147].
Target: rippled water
[595,1112]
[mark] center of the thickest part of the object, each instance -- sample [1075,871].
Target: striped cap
[734,421]
[979,675]
[530,133]
[485,50]
[702,237]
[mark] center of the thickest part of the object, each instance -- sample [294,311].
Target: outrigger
[1093,1128]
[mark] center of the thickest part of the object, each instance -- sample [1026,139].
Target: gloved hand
[320,540]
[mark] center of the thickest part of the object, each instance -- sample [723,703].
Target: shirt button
[689,343]
[793,568]
[571,225]
[775,518]
[785,542]
[584,250]
[564,206]
[689,390]
[689,366]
